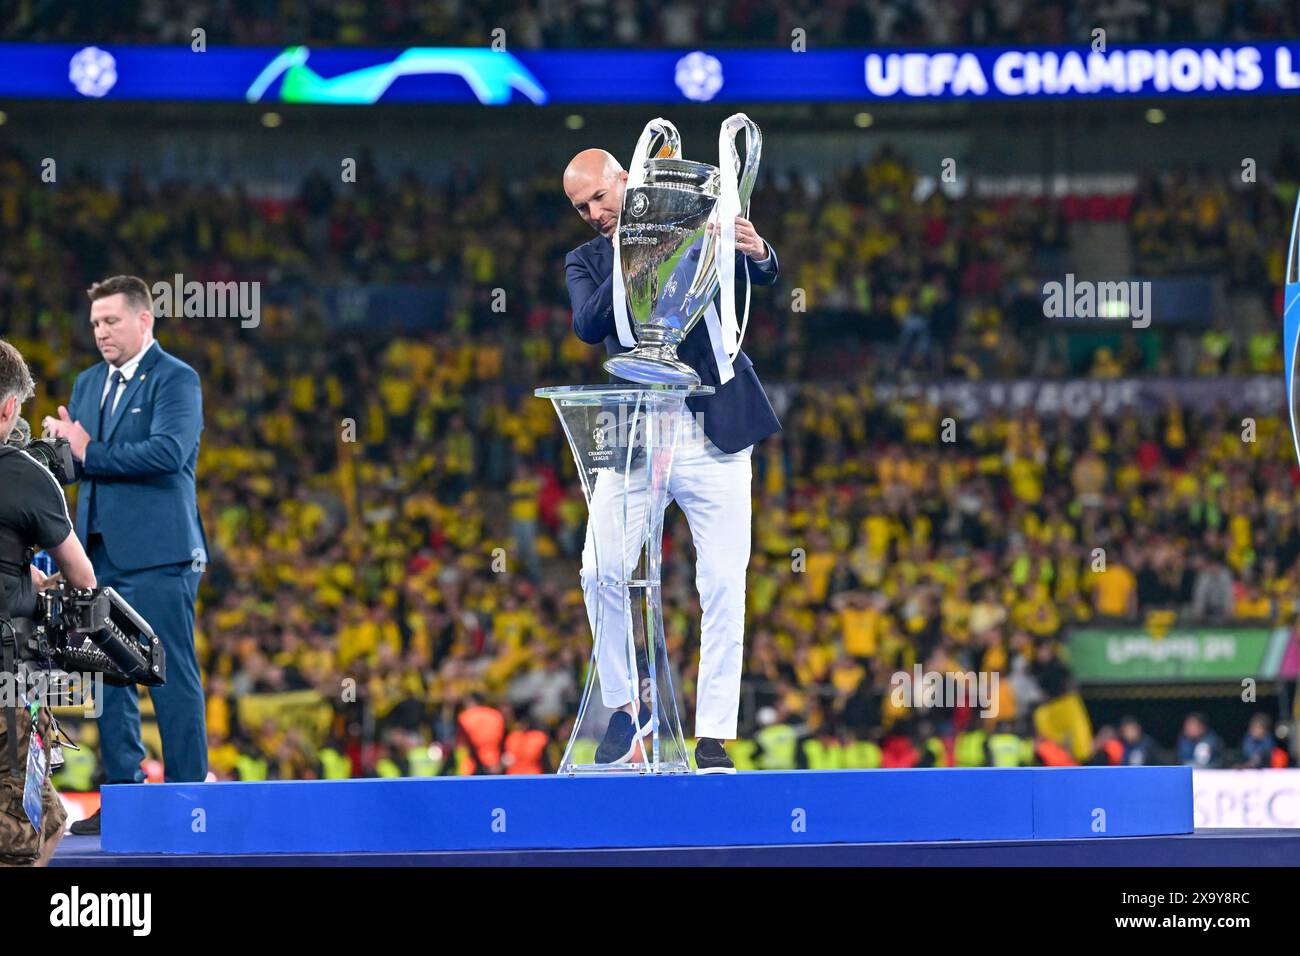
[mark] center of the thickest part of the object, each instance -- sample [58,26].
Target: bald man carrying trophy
[657,286]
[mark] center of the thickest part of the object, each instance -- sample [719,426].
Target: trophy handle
[748,173]
[666,142]
[736,187]
[659,140]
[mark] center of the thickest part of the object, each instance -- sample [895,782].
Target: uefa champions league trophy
[668,266]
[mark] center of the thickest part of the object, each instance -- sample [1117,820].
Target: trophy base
[652,366]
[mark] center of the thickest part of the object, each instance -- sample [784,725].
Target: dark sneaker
[646,720]
[620,739]
[711,757]
[86,827]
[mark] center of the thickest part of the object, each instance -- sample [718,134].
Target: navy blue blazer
[141,471]
[735,416]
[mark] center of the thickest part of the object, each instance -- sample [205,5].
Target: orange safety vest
[527,748]
[1114,751]
[1053,754]
[484,727]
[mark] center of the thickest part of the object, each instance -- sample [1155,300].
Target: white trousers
[713,489]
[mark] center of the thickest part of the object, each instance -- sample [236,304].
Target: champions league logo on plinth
[601,454]
[636,429]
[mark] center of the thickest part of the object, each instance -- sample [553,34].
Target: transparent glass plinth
[623,439]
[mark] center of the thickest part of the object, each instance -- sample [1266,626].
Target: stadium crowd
[632,23]
[355,484]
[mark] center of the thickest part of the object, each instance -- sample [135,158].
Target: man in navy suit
[133,423]
[710,478]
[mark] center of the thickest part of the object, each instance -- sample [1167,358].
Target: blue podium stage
[1241,848]
[532,815]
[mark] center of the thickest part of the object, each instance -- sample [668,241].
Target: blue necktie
[105,413]
[106,409]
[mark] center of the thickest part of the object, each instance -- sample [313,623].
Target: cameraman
[33,513]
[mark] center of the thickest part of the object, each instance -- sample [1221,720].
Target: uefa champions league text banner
[468,75]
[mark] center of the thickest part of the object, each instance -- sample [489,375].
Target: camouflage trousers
[19,842]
